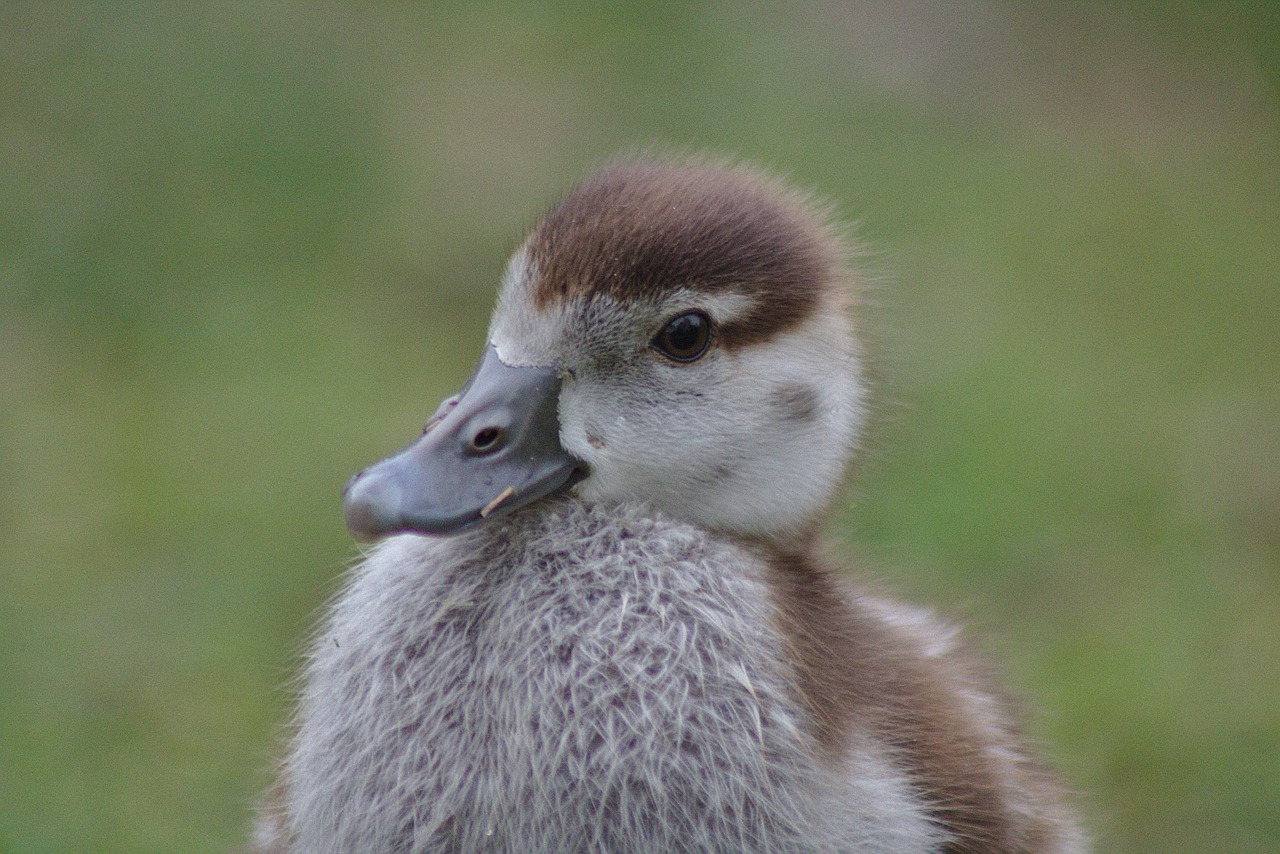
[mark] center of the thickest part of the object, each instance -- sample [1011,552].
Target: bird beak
[492,448]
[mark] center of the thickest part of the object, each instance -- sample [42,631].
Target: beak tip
[371,506]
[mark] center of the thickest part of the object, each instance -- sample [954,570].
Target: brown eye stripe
[640,230]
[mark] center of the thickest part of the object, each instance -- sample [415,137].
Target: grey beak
[493,447]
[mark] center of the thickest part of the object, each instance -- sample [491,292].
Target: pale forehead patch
[522,334]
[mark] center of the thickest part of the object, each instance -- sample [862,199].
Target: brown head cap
[639,229]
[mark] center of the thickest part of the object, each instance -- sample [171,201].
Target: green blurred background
[244,248]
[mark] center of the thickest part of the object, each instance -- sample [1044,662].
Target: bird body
[619,632]
[585,677]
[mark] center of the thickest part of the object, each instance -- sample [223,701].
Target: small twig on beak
[497,502]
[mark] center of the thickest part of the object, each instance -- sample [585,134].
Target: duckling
[599,617]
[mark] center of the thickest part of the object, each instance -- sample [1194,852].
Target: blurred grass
[245,248]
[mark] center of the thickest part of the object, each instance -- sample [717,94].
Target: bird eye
[684,338]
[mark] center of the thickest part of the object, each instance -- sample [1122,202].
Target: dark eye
[685,338]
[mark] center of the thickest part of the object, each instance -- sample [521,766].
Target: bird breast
[578,678]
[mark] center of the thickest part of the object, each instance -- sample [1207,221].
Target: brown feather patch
[641,229]
[857,674]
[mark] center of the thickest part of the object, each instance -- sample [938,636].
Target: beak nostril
[487,439]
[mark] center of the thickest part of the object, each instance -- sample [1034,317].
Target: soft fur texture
[581,678]
[604,678]
[659,661]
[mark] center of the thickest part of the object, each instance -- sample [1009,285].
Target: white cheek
[792,465]
[605,425]
[711,442]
